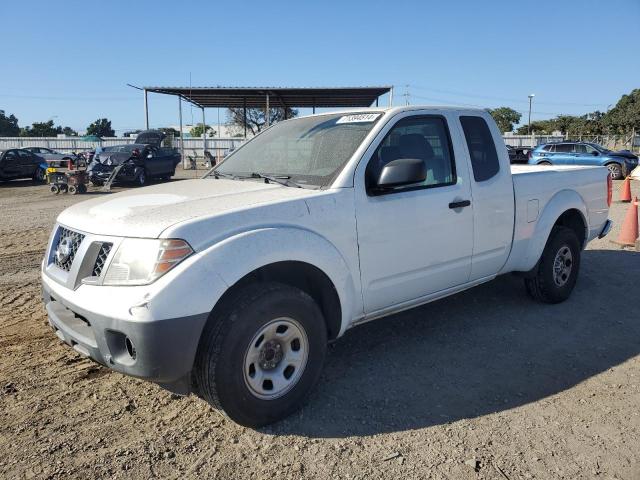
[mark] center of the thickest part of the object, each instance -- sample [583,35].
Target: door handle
[460,204]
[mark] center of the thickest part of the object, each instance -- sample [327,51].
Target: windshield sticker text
[359,118]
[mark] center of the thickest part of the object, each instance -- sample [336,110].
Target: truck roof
[403,108]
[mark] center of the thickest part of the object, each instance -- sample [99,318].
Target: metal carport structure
[266,97]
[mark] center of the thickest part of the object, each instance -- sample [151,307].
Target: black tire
[219,370]
[142,179]
[72,189]
[82,188]
[54,189]
[543,286]
[615,170]
[39,175]
[544,163]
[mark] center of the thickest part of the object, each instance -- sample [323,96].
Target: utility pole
[406,94]
[530,100]
[146,111]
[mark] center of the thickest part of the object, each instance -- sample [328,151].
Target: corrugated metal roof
[255,97]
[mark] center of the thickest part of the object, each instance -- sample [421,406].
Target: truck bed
[535,186]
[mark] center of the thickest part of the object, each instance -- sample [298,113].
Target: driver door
[413,240]
[11,164]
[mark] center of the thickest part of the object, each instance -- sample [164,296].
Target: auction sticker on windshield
[359,118]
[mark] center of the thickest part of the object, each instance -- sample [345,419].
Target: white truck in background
[230,286]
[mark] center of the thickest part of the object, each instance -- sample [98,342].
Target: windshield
[308,150]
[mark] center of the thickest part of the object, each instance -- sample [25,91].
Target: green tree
[625,116]
[256,119]
[41,129]
[8,125]
[69,132]
[540,127]
[196,131]
[101,128]
[505,117]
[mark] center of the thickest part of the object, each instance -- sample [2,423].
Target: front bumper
[102,173]
[161,351]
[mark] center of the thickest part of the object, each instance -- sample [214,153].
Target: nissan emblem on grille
[63,252]
[66,248]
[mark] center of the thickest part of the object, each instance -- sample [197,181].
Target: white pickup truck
[230,286]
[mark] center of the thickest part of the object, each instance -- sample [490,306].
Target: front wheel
[39,175]
[262,354]
[544,163]
[557,271]
[616,171]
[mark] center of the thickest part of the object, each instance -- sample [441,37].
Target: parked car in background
[51,155]
[619,164]
[518,154]
[141,161]
[20,163]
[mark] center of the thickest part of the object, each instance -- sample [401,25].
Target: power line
[505,99]
[66,98]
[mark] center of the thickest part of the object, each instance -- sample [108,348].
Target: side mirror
[595,153]
[403,171]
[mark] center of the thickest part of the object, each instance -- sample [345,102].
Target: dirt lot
[485,384]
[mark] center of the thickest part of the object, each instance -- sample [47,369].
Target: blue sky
[70,61]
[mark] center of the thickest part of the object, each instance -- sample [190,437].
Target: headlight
[140,261]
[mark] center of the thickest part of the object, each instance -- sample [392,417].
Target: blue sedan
[619,164]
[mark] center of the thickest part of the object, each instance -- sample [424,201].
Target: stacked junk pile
[629,232]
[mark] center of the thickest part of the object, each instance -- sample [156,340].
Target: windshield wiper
[217,175]
[281,179]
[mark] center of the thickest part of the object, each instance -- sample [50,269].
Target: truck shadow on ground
[482,351]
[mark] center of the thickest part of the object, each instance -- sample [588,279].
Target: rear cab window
[482,148]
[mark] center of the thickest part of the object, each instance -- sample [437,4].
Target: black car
[20,163]
[518,154]
[140,161]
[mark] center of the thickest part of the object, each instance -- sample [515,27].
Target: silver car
[51,155]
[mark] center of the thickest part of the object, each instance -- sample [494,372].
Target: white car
[231,286]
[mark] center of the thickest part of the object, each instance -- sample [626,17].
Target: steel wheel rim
[562,266]
[275,358]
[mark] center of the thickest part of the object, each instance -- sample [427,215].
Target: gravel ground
[482,385]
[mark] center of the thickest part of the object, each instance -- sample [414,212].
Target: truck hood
[147,212]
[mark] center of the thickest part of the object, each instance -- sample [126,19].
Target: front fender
[237,256]
[561,202]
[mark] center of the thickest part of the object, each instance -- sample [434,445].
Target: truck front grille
[63,255]
[103,253]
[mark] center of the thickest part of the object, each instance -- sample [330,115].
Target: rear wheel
[557,271]
[615,170]
[544,163]
[142,178]
[260,357]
